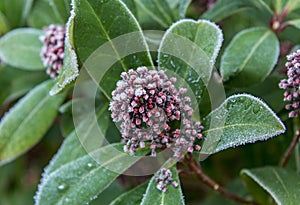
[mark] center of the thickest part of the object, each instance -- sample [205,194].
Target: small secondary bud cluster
[52,52]
[146,103]
[164,179]
[292,84]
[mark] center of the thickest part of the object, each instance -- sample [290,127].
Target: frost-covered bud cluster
[292,84]
[150,109]
[52,52]
[164,179]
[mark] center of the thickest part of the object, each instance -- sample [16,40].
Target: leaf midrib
[281,182]
[162,199]
[164,13]
[56,12]
[35,109]
[238,125]
[87,175]
[67,164]
[253,49]
[193,51]
[99,114]
[291,4]
[226,7]
[29,48]
[153,15]
[107,36]
[80,146]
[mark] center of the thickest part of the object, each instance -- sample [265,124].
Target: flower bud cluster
[164,179]
[147,104]
[292,84]
[52,52]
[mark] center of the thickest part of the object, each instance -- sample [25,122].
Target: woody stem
[195,167]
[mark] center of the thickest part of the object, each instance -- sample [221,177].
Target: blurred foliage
[19,179]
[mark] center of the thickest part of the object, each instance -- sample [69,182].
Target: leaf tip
[281,126]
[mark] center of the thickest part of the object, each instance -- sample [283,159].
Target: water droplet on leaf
[90,165]
[61,187]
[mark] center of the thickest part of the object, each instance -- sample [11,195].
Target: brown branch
[290,149]
[195,167]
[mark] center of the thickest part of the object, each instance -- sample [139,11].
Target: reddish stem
[291,148]
[195,167]
[277,22]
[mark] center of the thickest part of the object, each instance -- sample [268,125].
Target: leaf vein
[253,49]
[107,36]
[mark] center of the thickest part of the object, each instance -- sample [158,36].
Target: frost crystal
[292,84]
[52,52]
[150,109]
[163,179]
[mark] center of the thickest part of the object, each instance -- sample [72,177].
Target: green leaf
[112,192]
[279,5]
[179,7]
[297,157]
[21,48]
[46,12]
[183,5]
[268,91]
[2,7]
[250,57]
[173,3]
[292,5]
[69,71]
[295,23]
[72,148]
[239,120]
[131,6]
[225,8]
[66,125]
[25,124]
[17,11]
[71,151]
[204,34]
[158,10]
[132,197]
[102,32]
[4,25]
[171,196]
[189,48]
[282,184]
[153,38]
[83,175]
[16,82]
